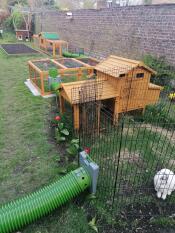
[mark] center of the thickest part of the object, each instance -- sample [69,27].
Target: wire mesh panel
[87,91]
[132,150]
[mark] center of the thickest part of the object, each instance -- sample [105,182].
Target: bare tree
[21,16]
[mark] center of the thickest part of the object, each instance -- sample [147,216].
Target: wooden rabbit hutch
[69,69]
[123,85]
[50,43]
[23,35]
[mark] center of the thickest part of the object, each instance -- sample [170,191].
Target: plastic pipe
[19,213]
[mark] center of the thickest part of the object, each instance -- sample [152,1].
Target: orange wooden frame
[63,71]
[45,44]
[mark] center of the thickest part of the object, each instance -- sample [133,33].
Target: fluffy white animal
[164,183]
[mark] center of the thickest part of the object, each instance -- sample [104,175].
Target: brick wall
[124,31]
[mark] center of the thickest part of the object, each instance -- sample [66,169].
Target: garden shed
[121,85]
[50,42]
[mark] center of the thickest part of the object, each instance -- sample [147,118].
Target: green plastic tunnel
[19,213]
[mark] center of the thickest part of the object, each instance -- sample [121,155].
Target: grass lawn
[30,159]
[27,156]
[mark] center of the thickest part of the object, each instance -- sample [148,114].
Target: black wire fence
[132,150]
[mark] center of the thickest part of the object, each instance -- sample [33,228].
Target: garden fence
[129,152]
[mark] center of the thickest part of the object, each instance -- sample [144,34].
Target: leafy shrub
[3,17]
[66,118]
[73,147]
[73,55]
[8,24]
[159,114]
[61,133]
[165,72]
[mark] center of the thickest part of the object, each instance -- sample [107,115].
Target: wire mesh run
[88,91]
[132,147]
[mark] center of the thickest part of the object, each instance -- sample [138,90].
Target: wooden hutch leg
[60,50]
[42,84]
[62,106]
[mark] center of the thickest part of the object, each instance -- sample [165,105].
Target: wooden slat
[113,62]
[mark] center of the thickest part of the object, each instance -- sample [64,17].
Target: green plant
[73,147]
[163,222]
[36,166]
[158,113]
[165,72]
[92,224]
[61,133]
[73,55]
[8,24]
[53,73]
[55,85]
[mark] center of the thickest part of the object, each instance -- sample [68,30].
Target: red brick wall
[125,31]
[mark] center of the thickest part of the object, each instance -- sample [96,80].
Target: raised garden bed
[17,49]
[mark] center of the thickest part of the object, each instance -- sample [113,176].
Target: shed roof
[116,66]
[50,35]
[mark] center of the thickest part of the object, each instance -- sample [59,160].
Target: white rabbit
[164,183]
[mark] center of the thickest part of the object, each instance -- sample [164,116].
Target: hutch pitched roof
[117,66]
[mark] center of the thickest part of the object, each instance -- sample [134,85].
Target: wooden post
[90,72]
[42,83]
[79,74]
[116,111]
[30,72]
[60,49]
[35,77]
[45,45]
[54,52]
[61,101]
[76,116]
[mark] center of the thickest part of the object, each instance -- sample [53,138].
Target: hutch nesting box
[50,43]
[130,84]
[121,85]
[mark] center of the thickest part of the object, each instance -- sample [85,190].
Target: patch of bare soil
[17,49]
[157,129]
[131,157]
[127,157]
[133,219]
